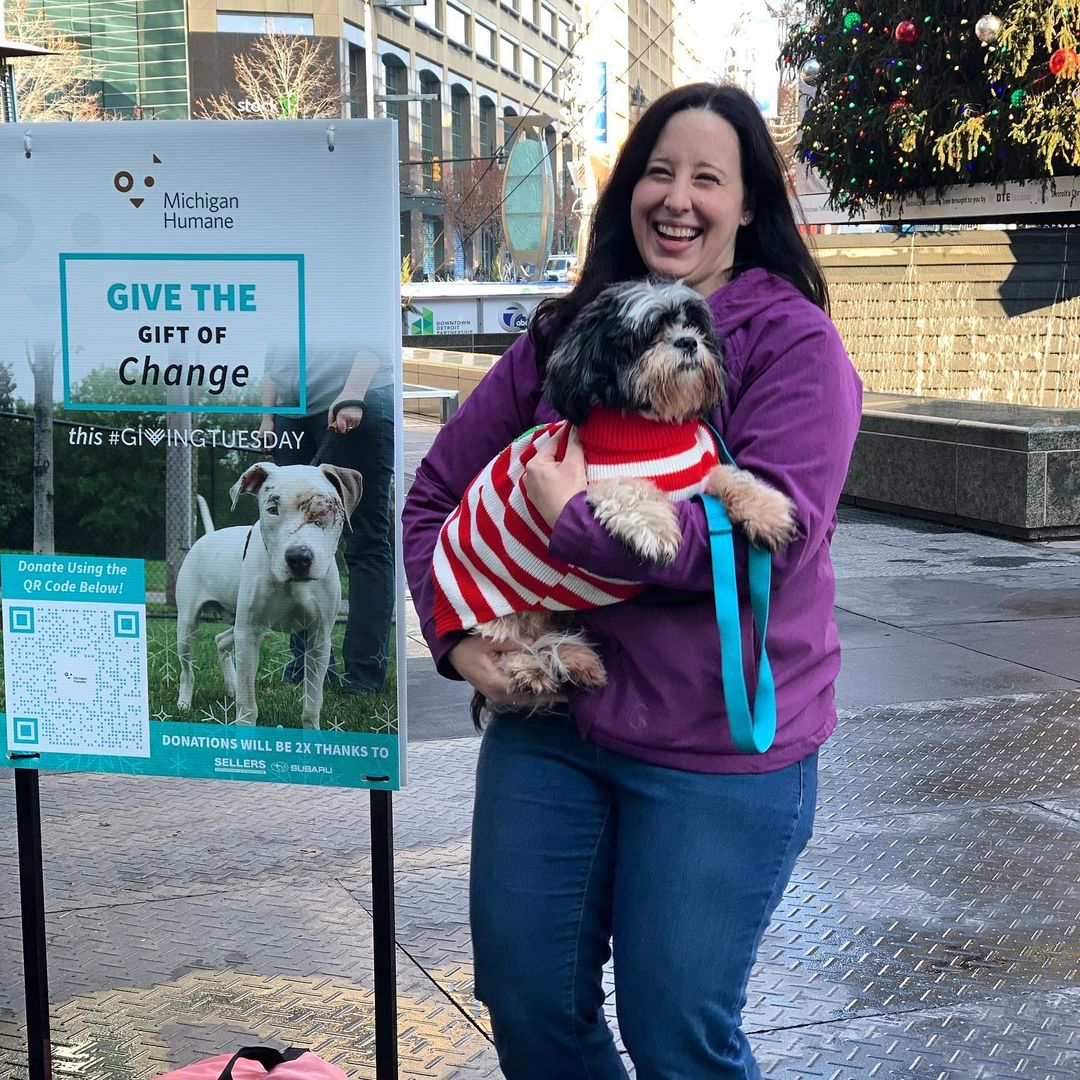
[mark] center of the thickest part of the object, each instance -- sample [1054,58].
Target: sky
[739,35]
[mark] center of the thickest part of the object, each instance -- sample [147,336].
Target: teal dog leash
[753,730]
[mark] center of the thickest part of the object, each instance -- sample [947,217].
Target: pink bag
[258,1063]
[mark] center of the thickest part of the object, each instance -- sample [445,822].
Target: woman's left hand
[551,484]
[346,418]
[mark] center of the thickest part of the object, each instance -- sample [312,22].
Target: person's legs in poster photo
[369,558]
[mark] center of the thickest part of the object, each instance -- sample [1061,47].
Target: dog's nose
[299,560]
[687,344]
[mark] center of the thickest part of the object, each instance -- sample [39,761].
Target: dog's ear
[253,479]
[349,484]
[581,368]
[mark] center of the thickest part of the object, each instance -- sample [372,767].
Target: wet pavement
[929,931]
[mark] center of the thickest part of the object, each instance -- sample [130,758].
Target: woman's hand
[476,660]
[345,418]
[551,484]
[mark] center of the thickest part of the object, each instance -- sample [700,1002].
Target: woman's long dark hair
[771,240]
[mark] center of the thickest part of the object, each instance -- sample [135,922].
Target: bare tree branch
[49,87]
[472,195]
[286,76]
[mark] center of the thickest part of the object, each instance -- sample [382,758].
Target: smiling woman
[632,798]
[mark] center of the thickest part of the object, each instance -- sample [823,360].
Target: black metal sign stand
[35,971]
[382,913]
[32,894]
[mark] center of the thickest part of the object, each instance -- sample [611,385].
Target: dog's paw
[637,513]
[529,674]
[765,515]
[570,659]
[582,667]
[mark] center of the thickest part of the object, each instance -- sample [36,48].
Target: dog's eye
[271,508]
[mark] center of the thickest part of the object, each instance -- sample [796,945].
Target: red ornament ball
[1064,62]
[907,33]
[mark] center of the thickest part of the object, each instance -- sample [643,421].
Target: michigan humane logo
[124,181]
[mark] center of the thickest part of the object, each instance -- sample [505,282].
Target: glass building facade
[137,50]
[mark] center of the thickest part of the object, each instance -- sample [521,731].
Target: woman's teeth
[672,232]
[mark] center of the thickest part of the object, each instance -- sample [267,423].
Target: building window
[548,73]
[564,33]
[138,64]
[460,122]
[237,22]
[510,123]
[485,40]
[428,15]
[396,81]
[512,5]
[549,22]
[430,129]
[357,82]
[531,14]
[488,134]
[530,67]
[508,53]
[457,25]
[433,246]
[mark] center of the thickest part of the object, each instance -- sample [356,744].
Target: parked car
[560,268]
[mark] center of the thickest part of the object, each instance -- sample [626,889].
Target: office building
[460,76]
[472,72]
[137,51]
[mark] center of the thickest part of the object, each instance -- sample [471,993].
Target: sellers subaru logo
[515,317]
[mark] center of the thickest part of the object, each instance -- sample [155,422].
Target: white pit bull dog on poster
[281,574]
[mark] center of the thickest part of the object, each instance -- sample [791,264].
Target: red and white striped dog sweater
[492,556]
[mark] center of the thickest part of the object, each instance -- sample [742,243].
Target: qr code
[75,677]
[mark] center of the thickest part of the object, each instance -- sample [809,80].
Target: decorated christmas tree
[915,95]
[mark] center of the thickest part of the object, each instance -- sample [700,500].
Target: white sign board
[209,296]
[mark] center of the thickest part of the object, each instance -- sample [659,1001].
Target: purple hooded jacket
[791,415]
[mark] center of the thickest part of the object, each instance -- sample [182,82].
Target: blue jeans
[573,847]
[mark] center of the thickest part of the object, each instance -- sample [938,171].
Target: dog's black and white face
[642,346]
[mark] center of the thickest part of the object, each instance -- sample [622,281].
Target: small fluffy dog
[635,373]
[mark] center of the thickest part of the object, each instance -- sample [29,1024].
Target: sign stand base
[32,895]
